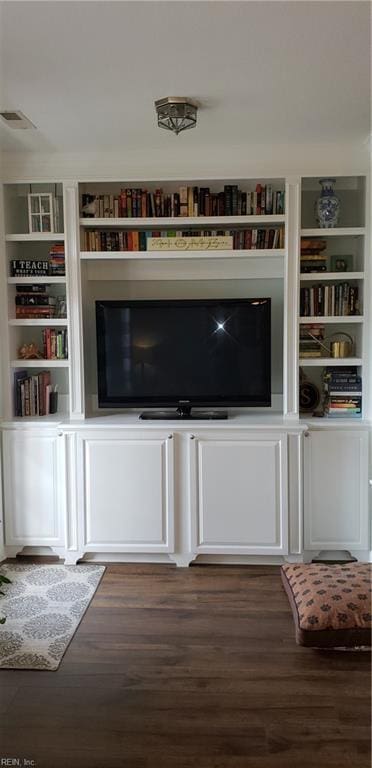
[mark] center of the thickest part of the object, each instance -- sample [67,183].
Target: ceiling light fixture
[176,113]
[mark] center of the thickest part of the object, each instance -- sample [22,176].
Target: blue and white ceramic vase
[327,206]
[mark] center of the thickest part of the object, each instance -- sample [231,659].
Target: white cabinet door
[336,489]
[127,493]
[239,494]
[33,492]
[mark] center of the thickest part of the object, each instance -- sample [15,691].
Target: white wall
[182,161]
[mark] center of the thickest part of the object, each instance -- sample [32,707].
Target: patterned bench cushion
[331,604]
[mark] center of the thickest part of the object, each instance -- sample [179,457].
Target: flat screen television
[184,353]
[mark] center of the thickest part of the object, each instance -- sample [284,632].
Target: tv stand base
[183,415]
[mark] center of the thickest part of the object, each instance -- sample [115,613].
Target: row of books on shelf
[33,395]
[329,300]
[33,301]
[241,239]
[187,201]
[55,344]
[343,392]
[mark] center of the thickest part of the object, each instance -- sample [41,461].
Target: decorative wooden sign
[210,243]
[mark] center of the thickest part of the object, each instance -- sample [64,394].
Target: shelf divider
[50,321]
[180,255]
[182,221]
[334,232]
[40,363]
[35,237]
[314,362]
[316,277]
[48,280]
[334,319]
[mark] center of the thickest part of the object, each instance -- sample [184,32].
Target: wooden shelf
[50,321]
[36,237]
[179,222]
[37,280]
[342,319]
[259,253]
[336,232]
[313,362]
[318,276]
[40,363]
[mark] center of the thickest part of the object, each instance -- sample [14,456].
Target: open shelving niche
[19,243]
[349,238]
[175,274]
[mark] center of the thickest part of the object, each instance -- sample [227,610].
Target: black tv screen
[199,352]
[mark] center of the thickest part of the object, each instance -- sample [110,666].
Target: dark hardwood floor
[189,668]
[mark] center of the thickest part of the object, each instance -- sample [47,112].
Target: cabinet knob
[306,434]
[170,437]
[192,437]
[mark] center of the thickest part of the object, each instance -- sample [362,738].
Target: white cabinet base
[144,494]
[34,488]
[336,490]
[126,492]
[239,494]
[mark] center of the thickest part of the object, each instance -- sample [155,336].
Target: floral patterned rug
[43,605]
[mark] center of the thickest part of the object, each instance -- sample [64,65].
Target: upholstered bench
[331,604]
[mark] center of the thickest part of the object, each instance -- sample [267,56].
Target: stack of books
[32,393]
[57,260]
[188,201]
[310,336]
[313,258]
[343,392]
[33,302]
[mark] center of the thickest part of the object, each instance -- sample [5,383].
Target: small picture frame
[40,212]
[342,263]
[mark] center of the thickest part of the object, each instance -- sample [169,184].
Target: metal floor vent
[16,119]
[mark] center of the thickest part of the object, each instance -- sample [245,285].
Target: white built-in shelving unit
[81,467]
[19,243]
[349,238]
[94,275]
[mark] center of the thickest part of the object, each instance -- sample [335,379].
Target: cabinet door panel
[242,496]
[32,491]
[128,495]
[336,488]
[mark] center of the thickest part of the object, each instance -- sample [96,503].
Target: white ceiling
[87,73]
